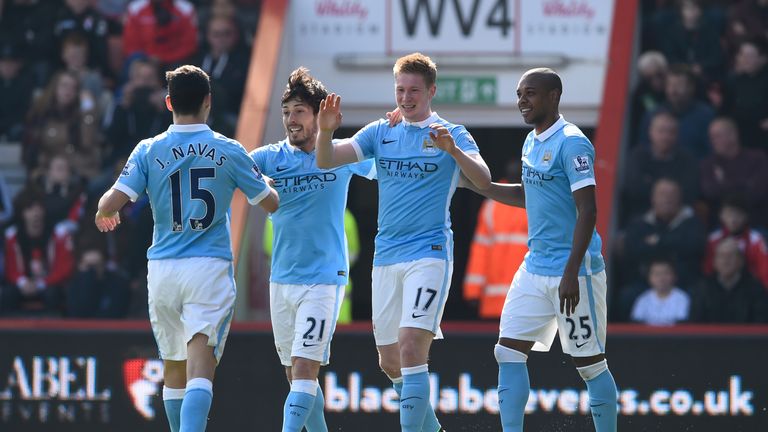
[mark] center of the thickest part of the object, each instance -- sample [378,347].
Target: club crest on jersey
[582,164]
[428,146]
[129,166]
[547,157]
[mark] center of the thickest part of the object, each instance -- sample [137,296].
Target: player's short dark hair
[548,77]
[305,88]
[417,63]
[187,86]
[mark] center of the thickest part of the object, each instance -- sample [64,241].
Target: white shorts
[409,294]
[532,313]
[304,319]
[189,296]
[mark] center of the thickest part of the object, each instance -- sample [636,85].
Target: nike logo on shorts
[306,345]
[579,346]
[386,141]
[297,406]
[413,315]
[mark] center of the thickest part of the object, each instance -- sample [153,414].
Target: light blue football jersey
[557,162]
[190,173]
[416,183]
[309,245]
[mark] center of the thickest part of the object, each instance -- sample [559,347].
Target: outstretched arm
[108,216]
[328,120]
[473,166]
[505,193]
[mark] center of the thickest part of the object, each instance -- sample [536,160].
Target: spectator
[693,116]
[662,159]
[38,261]
[747,19]
[649,93]
[663,303]
[734,220]
[733,170]
[80,17]
[226,62]
[32,20]
[96,291]
[16,88]
[58,125]
[141,111]
[63,191]
[745,94]
[693,38]
[730,295]
[74,57]
[165,30]
[668,229]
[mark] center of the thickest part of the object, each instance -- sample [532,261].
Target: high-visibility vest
[498,249]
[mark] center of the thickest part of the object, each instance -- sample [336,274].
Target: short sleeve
[133,178]
[247,175]
[259,157]
[364,140]
[465,141]
[578,162]
[365,168]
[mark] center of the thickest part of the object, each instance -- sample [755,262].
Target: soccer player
[561,283]
[418,163]
[309,263]
[189,173]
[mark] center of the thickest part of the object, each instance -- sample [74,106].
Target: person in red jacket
[38,260]
[162,29]
[734,219]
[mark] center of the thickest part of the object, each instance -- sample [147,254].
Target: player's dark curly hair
[304,87]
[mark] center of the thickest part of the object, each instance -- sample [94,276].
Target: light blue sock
[602,401]
[298,404]
[172,401]
[316,418]
[414,398]
[430,419]
[196,405]
[514,389]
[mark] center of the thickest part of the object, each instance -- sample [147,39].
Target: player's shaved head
[545,78]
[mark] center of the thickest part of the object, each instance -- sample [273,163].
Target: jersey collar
[188,128]
[424,123]
[550,131]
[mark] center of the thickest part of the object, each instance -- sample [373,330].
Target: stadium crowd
[82,83]
[693,210]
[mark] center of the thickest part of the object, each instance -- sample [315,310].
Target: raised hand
[329,116]
[107,223]
[442,138]
[394,117]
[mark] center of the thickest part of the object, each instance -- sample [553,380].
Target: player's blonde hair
[417,63]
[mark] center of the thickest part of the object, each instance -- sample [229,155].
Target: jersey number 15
[195,192]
